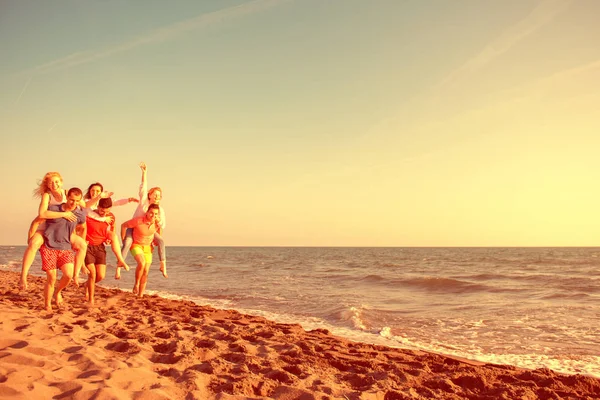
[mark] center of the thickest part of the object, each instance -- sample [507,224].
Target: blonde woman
[147,198]
[50,192]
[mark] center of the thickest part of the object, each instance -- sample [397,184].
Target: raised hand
[143,166]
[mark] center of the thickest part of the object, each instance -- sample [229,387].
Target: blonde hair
[43,186]
[154,189]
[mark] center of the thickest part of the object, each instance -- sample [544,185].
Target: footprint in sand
[96,373]
[166,358]
[68,388]
[39,351]
[21,360]
[73,349]
[21,327]
[13,344]
[123,347]
[165,348]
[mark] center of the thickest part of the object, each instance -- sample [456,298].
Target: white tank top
[54,202]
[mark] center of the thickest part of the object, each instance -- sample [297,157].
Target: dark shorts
[96,254]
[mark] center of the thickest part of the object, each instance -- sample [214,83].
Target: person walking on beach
[100,229]
[51,193]
[56,251]
[147,198]
[95,193]
[144,229]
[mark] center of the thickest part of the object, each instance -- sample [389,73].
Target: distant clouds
[542,14]
[23,91]
[160,35]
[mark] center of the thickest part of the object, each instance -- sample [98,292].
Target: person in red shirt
[98,233]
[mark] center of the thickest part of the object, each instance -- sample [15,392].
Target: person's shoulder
[82,212]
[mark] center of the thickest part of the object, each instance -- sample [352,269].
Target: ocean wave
[486,277]
[566,296]
[374,278]
[449,285]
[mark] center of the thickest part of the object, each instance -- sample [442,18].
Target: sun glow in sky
[310,122]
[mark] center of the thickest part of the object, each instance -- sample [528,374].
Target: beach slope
[154,348]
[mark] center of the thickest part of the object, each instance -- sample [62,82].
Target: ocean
[528,307]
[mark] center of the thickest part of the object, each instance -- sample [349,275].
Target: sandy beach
[154,348]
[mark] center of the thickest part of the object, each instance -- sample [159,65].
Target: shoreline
[154,347]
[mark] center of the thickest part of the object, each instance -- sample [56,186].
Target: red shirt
[98,231]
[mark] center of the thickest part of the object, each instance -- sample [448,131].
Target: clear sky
[312,122]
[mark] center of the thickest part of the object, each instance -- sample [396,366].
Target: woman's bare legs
[33,245]
[162,254]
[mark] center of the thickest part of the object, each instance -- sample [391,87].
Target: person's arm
[94,200]
[122,202]
[44,213]
[94,215]
[144,185]
[43,207]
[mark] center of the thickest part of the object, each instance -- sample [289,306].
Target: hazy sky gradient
[310,122]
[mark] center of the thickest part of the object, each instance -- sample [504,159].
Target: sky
[311,122]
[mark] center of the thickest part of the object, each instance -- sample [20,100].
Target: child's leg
[78,244]
[49,288]
[34,244]
[162,255]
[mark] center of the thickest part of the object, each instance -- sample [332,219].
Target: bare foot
[135,289]
[163,268]
[76,280]
[123,265]
[48,309]
[23,284]
[58,299]
[118,273]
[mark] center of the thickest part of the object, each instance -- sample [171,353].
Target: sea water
[528,307]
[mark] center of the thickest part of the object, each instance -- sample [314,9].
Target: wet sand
[154,348]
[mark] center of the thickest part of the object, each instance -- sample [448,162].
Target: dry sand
[126,348]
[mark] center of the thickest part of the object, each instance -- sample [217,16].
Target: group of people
[72,230]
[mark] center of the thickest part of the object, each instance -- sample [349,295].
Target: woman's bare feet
[123,265]
[163,268]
